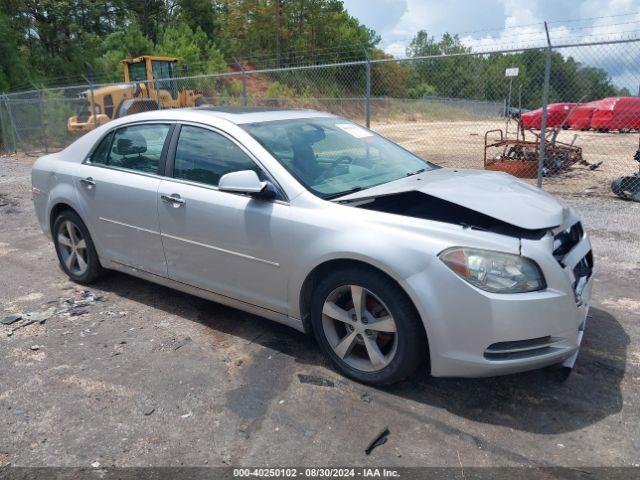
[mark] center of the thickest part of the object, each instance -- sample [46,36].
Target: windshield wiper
[416,172]
[342,194]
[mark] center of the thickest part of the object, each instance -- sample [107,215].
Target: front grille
[564,241]
[517,349]
[584,267]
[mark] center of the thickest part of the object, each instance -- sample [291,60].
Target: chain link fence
[481,110]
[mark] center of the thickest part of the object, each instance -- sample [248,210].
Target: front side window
[332,156]
[204,156]
[138,147]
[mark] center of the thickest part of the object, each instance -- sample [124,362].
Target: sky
[503,24]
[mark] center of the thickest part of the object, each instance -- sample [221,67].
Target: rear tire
[382,344]
[75,249]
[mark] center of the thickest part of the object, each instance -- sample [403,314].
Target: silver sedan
[313,221]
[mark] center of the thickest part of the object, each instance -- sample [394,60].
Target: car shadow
[537,401]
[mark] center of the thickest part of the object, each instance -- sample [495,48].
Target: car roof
[240,115]
[235,115]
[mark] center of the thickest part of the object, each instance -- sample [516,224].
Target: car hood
[495,194]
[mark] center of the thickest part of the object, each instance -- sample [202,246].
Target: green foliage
[50,41]
[388,79]
[12,64]
[482,77]
[118,45]
[57,111]
[196,52]
[279,90]
[421,90]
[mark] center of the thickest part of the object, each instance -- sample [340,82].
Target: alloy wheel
[359,328]
[73,248]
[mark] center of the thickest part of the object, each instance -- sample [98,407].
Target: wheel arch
[314,276]
[57,209]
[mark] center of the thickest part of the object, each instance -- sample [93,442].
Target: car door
[232,244]
[118,188]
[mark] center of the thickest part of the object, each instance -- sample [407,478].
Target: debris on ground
[149,411]
[75,308]
[187,415]
[365,397]
[66,308]
[76,311]
[9,319]
[378,440]
[118,349]
[41,317]
[627,188]
[315,380]
[22,325]
[35,347]
[182,343]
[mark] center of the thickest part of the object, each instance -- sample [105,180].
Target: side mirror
[245,181]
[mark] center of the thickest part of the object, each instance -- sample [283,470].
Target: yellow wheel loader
[149,85]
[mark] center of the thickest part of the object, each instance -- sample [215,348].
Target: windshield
[332,156]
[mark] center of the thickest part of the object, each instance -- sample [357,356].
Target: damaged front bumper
[473,333]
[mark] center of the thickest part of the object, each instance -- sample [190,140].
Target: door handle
[88,182]
[173,199]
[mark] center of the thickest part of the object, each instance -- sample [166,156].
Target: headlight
[494,271]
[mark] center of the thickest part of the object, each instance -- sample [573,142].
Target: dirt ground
[460,144]
[127,373]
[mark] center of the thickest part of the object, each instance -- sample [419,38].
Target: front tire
[75,249]
[367,326]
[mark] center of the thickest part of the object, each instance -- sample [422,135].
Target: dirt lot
[461,144]
[133,374]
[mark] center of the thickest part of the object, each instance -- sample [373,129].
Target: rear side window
[138,147]
[101,153]
[204,156]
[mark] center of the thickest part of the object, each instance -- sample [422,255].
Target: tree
[195,51]
[118,46]
[151,15]
[388,78]
[203,14]
[13,64]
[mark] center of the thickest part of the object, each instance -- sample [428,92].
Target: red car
[617,113]
[556,115]
[580,118]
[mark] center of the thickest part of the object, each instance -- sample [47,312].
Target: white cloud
[495,23]
[505,24]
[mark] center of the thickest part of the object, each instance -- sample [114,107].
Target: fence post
[93,105]
[14,131]
[367,93]
[545,101]
[243,77]
[3,127]
[43,126]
